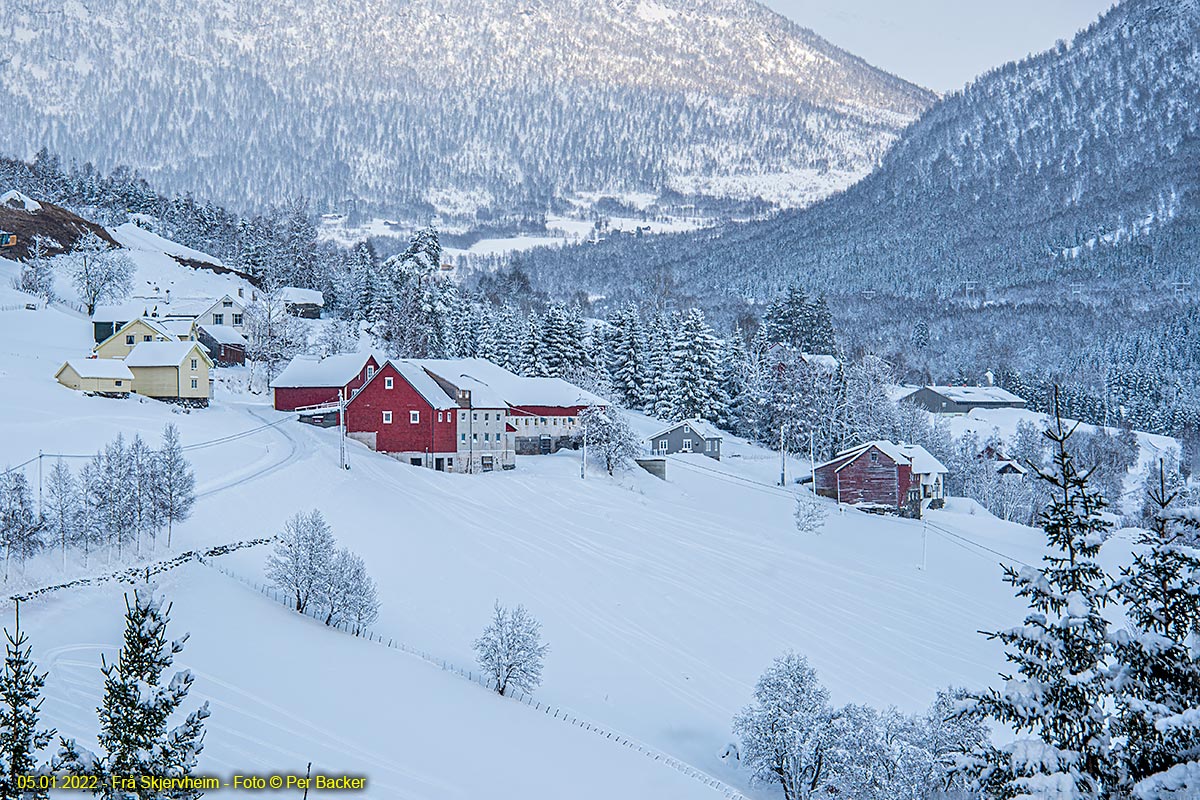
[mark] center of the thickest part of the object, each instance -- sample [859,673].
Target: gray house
[961,399]
[688,436]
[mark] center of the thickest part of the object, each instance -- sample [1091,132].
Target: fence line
[518,696]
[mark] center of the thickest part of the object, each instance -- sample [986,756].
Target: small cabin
[108,377]
[883,476]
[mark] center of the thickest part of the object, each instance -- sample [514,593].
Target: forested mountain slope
[485,107]
[1076,166]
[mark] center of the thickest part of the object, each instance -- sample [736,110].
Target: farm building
[402,411]
[688,436]
[130,335]
[104,376]
[305,303]
[224,344]
[961,399]
[171,371]
[882,475]
[311,381]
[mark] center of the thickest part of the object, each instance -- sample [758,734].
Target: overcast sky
[942,44]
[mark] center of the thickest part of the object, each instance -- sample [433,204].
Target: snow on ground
[662,602]
[284,690]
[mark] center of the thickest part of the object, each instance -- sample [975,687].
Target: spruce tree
[628,365]
[1059,692]
[135,739]
[20,704]
[1156,676]
[697,371]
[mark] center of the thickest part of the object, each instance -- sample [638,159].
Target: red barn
[403,411]
[309,381]
[884,475]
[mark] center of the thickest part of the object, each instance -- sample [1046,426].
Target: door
[439,464]
[545,444]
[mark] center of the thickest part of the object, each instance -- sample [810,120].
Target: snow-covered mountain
[489,106]
[1073,166]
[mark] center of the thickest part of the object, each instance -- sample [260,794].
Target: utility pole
[342,425]
[924,544]
[812,460]
[39,484]
[782,457]
[583,459]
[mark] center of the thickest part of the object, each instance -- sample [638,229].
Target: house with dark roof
[962,399]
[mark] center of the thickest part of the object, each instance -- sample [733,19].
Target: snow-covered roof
[463,374]
[223,334]
[425,385]
[113,368]
[508,388]
[976,394]
[162,354]
[153,324]
[825,362]
[124,311]
[293,294]
[918,458]
[14,199]
[698,425]
[329,372]
[182,328]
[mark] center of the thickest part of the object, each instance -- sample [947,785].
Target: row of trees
[124,496]
[323,579]
[136,734]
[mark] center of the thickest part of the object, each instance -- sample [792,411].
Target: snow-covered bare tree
[301,559]
[62,513]
[135,737]
[345,592]
[511,651]
[20,528]
[810,511]
[273,336]
[339,336]
[785,733]
[37,273]
[98,272]
[610,440]
[175,483]
[20,706]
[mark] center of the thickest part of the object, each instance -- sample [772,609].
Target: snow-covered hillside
[661,601]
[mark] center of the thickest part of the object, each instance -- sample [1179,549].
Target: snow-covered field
[662,602]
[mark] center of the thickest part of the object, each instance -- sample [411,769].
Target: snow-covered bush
[511,651]
[810,513]
[610,440]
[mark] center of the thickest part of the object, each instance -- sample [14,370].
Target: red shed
[882,474]
[403,411]
[309,381]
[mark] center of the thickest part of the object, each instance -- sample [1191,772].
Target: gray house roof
[698,425]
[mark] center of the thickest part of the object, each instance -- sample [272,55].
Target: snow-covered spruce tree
[822,338]
[610,440]
[785,733]
[418,321]
[62,514]
[20,528]
[511,651]
[20,704]
[301,559]
[1060,691]
[134,735]
[532,362]
[175,484]
[660,387]
[697,368]
[869,412]
[97,272]
[1156,676]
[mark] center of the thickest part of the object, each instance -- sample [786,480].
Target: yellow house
[99,375]
[170,371]
[131,334]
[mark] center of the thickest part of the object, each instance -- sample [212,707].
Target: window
[874,456]
[662,447]
[486,417]
[556,421]
[527,422]
[237,319]
[218,319]
[147,338]
[541,420]
[687,445]
[571,420]
[462,437]
[686,429]
[118,383]
[130,338]
[474,437]
[475,417]
[227,304]
[440,417]
[387,383]
[195,364]
[387,418]
[708,445]
[370,372]
[194,385]
[414,417]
